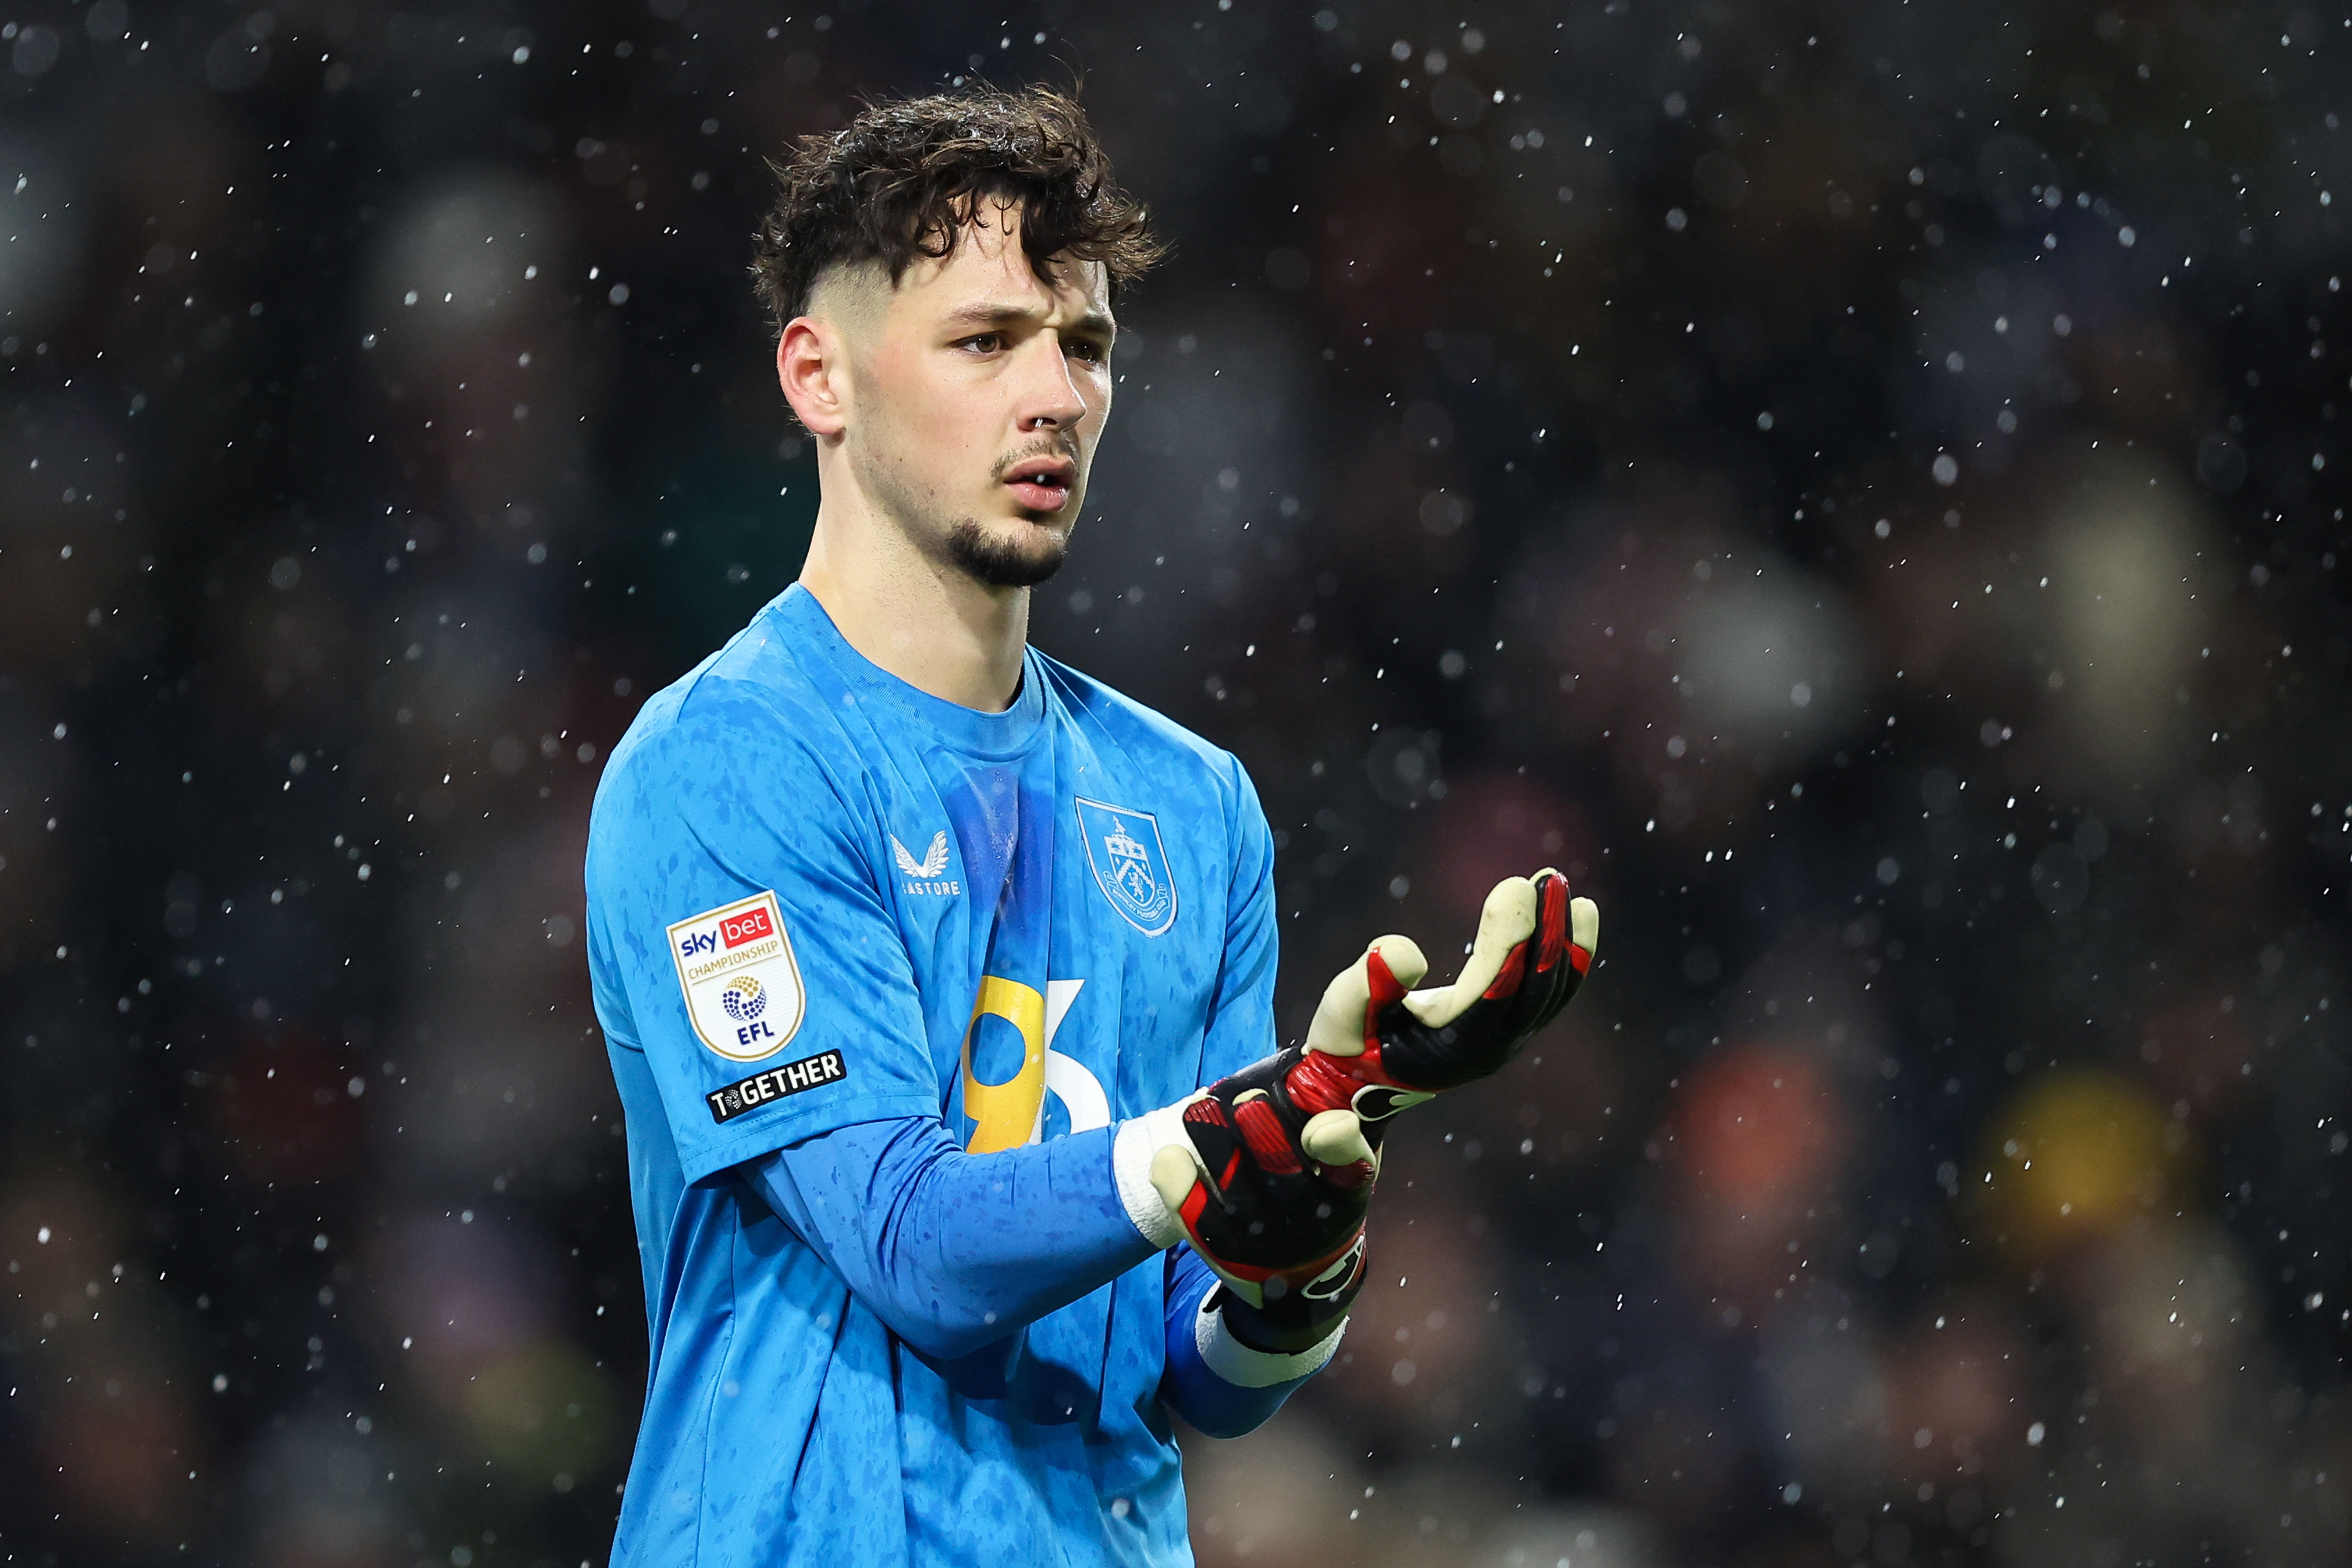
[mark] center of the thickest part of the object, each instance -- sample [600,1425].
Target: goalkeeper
[937,979]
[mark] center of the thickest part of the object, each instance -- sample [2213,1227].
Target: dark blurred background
[1858,486]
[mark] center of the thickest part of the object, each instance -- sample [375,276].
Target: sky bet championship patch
[742,985]
[815,1072]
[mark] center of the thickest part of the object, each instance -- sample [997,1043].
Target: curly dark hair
[902,179]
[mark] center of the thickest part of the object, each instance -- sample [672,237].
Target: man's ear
[813,365]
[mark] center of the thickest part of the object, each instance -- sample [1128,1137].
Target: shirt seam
[711,1400]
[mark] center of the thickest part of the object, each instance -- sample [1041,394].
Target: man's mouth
[1042,484]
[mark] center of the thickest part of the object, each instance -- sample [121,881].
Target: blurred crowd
[1859,487]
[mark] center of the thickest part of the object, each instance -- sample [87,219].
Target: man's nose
[1050,395]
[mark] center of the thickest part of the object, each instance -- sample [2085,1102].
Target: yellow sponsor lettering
[1004,1114]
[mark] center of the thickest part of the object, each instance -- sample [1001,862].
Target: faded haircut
[901,180]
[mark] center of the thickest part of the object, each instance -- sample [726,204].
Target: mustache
[1051,446]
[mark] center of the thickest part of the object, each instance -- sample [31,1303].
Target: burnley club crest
[1129,864]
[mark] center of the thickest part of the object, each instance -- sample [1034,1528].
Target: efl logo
[750,926]
[740,983]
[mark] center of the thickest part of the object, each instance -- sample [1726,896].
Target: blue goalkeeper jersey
[818,897]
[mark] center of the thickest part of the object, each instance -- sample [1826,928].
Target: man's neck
[925,621]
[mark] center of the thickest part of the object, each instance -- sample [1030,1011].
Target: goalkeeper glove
[1272,1200]
[1376,1046]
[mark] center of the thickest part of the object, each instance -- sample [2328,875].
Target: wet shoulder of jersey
[746,728]
[1144,736]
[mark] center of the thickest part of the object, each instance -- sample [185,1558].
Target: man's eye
[1093,353]
[983,342]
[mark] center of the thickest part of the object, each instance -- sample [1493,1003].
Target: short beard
[1002,563]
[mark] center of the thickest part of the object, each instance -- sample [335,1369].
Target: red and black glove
[1273,1201]
[1376,1046]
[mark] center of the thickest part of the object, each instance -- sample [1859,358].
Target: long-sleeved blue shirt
[820,900]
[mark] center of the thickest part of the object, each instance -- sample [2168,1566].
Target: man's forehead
[989,264]
[987,273]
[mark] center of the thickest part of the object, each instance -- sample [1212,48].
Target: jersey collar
[992,735]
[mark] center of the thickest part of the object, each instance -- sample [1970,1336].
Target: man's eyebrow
[993,313]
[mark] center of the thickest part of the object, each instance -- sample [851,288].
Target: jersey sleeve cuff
[1138,1139]
[1245,1367]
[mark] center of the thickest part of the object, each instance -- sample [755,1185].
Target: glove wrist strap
[1132,1147]
[1246,1367]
